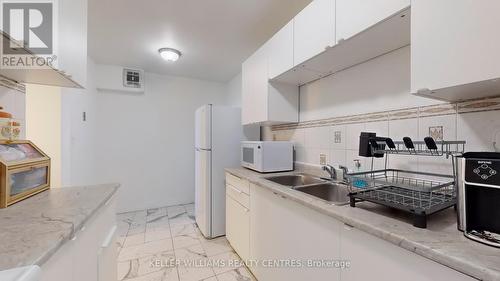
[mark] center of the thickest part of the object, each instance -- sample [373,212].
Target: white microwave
[267,156]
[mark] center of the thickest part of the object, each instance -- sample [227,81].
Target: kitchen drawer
[241,184]
[238,195]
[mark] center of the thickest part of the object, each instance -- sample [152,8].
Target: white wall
[79,136]
[43,119]
[377,85]
[233,91]
[146,141]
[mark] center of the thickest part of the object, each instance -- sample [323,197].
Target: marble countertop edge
[76,228]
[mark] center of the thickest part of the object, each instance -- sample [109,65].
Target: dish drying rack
[420,148]
[418,193]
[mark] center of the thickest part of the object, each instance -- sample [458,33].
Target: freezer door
[203,191]
[203,127]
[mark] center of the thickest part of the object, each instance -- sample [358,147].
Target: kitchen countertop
[440,241]
[32,230]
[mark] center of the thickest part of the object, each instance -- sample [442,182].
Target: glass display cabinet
[25,171]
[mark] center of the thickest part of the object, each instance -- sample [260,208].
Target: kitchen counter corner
[31,231]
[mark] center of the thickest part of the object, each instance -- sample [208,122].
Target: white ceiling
[215,36]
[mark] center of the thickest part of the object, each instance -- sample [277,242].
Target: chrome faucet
[345,171]
[333,173]
[330,170]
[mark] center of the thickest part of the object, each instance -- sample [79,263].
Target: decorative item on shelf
[10,129]
[24,171]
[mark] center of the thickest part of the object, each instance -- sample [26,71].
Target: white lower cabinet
[238,227]
[373,258]
[280,236]
[283,231]
[91,254]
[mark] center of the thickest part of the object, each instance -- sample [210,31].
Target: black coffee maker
[479,196]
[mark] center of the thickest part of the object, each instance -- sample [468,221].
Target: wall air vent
[132,78]
[119,79]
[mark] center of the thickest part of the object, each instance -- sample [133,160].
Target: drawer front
[238,227]
[239,183]
[238,195]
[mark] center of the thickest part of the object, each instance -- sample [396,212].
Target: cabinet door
[60,266]
[314,30]
[453,43]
[255,87]
[107,256]
[72,39]
[353,16]
[238,227]
[370,256]
[282,229]
[281,51]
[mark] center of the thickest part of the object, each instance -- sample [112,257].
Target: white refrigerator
[218,136]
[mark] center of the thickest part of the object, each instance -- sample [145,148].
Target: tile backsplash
[477,122]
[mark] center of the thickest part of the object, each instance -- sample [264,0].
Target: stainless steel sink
[295,180]
[336,194]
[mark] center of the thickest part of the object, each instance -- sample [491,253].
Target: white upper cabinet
[72,40]
[455,43]
[281,51]
[354,16]
[254,87]
[314,30]
[263,102]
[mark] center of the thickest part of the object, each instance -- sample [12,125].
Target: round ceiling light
[169,54]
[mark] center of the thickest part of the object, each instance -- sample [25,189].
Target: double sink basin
[332,192]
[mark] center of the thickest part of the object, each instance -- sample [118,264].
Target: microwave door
[248,156]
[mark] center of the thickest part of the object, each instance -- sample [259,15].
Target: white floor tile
[182,229]
[239,274]
[146,249]
[216,246]
[185,240]
[225,262]
[135,239]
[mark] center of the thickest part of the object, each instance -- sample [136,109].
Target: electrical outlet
[337,137]
[322,159]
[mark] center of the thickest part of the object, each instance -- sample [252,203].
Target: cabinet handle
[235,189]
[424,91]
[279,195]
[348,226]
[109,238]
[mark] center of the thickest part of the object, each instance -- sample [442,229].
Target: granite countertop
[32,230]
[440,241]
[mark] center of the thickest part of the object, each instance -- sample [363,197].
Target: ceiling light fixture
[170,54]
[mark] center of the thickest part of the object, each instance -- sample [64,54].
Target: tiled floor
[165,244]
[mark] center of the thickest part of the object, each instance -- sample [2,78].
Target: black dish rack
[419,193]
